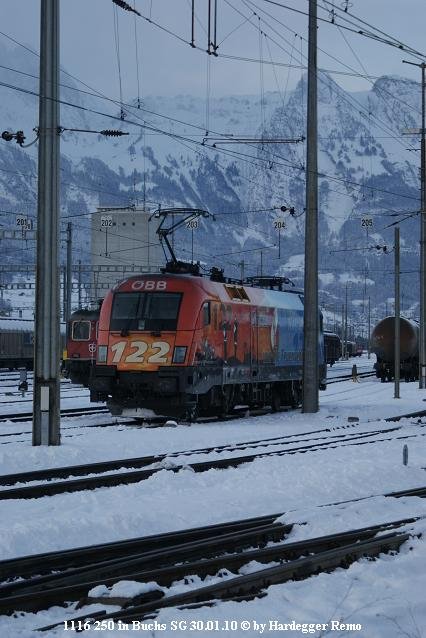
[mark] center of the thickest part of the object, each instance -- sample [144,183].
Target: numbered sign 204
[279,224]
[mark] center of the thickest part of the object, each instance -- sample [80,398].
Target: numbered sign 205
[106,221]
[366,222]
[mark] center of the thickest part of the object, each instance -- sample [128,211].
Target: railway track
[218,551]
[64,429]
[66,412]
[81,411]
[348,377]
[149,465]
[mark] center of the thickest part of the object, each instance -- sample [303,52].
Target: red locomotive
[182,345]
[80,355]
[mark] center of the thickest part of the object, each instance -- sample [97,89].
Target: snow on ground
[385,596]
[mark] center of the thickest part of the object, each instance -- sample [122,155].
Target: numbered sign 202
[106,221]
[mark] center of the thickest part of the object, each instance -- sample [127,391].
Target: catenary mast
[311,314]
[46,419]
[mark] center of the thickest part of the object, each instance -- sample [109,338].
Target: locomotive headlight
[179,354]
[102,354]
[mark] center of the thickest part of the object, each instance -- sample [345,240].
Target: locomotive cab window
[206,313]
[145,311]
[81,330]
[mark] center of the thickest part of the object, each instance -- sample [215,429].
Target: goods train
[333,347]
[185,345]
[382,343]
[80,354]
[16,343]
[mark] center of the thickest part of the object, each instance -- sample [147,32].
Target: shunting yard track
[24,416]
[348,377]
[165,462]
[218,550]
[65,412]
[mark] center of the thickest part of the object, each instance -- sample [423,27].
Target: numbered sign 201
[23,222]
[366,222]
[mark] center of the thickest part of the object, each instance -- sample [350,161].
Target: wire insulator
[125,6]
[112,133]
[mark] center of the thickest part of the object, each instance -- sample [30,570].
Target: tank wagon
[382,343]
[183,345]
[16,343]
[333,347]
[80,354]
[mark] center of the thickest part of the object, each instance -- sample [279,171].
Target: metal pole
[369,327]
[64,293]
[422,331]
[192,245]
[397,315]
[241,265]
[69,272]
[422,375]
[346,323]
[46,407]
[311,323]
[343,332]
[79,283]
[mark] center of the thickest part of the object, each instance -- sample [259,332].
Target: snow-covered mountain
[173,156]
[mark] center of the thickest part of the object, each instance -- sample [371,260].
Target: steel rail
[64,559]
[42,598]
[103,466]
[124,478]
[235,540]
[258,581]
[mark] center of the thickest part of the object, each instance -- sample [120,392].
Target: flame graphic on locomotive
[182,345]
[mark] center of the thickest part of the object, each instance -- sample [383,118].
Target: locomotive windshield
[145,311]
[81,330]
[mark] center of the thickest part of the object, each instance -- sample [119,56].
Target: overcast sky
[169,67]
